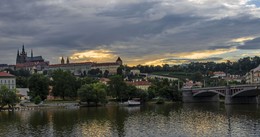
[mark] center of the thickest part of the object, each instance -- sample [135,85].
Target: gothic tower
[62,60]
[119,61]
[17,57]
[68,61]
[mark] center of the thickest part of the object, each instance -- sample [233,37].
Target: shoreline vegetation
[70,105]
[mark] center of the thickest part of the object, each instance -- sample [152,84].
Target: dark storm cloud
[193,60]
[251,45]
[128,28]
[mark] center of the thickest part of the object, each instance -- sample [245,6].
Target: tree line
[239,67]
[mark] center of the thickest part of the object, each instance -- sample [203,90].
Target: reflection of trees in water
[9,121]
[163,109]
[65,122]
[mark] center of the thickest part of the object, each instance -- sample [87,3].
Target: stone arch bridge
[237,94]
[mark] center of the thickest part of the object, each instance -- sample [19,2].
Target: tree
[64,84]
[117,87]
[8,97]
[95,72]
[95,92]
[106,73]
[39,86]
[37,100]
[197,76]
[21,82]
[119,70]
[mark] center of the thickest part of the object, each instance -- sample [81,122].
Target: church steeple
[31,53]
[23,51]
[119,61]
[18,57]
[68,61]
[62,60]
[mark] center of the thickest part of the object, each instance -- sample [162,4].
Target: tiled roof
[4,74]
[138,83]
[105,64]
[71,64]
[256,69]
[30,64]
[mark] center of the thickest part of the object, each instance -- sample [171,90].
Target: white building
[75,68]
[144,85]
[253,76]
[220,74]
[111,67]
[162,77]
[7,80]
[23,93]
[135,71]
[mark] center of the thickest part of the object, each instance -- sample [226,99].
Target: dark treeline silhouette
[239,67]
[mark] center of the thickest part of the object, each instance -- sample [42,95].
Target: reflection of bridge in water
[233,94]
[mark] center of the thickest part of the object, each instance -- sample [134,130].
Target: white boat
[133,103]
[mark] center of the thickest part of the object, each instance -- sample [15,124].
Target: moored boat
[133,103]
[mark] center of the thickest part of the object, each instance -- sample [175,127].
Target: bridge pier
[187,97]
[229,100]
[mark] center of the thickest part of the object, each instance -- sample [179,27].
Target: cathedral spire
[62,60]
[68,61]
[23,49]
[31,53]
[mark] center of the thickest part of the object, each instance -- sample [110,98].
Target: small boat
[133,103]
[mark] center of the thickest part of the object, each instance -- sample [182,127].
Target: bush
[37,100]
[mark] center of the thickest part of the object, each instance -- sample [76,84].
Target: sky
[146,32]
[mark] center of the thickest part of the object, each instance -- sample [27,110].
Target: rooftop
[4,74]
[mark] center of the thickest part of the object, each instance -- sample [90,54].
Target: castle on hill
[23,58]
[34,64]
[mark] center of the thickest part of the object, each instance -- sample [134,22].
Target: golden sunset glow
[186,55]
[203,53]
[242,39]
[93,55]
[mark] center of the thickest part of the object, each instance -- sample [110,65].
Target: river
[187,120]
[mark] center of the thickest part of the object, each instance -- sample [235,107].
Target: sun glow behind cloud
[94,55]
[242,39]
[185,57]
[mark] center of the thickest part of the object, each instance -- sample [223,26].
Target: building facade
[253,76]
[7,80]
[143,85]
[75,68]
[83,68]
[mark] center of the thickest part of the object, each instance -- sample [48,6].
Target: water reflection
[149,120]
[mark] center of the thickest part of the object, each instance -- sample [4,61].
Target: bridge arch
[247,92]
[207,93]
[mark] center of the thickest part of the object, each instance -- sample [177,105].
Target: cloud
[93,55]
[139,31]
[251,44]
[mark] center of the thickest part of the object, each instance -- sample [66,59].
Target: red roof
[70,64]
[138,83]
[4,74]
[105,64]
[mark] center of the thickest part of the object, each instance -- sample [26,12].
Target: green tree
[39,86]
[95,92]
[64,84]
[21,82]
[119,70]
[8,97]
[197,76]
[37,100]
[117,87]
[106,73]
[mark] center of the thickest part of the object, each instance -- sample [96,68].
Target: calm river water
[187,120]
